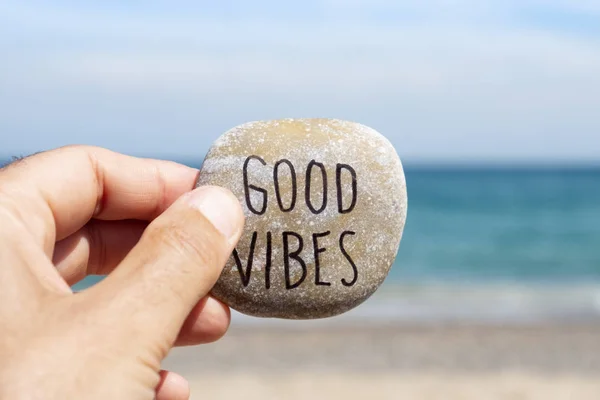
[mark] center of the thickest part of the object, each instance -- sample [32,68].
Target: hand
[76,211]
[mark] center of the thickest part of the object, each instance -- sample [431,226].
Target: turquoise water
[500,245]
[515,225]
[496,244]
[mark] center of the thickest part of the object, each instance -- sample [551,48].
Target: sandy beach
[384,361]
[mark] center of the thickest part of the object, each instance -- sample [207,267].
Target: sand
[379,361]
[422,386]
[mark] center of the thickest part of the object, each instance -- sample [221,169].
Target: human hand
[76,211]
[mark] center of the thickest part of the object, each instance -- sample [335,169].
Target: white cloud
[465,6]
[451,88]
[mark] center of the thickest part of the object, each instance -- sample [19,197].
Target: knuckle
[98,250]
[82,153]
[79,148]
[88,155]
[161,186]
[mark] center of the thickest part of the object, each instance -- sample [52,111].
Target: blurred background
[493,106]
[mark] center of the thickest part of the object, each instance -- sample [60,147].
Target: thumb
[176,262]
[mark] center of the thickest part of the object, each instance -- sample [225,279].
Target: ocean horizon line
[408,163]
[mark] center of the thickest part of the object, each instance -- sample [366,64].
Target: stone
[325,205]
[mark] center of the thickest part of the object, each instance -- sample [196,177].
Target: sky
[499,81]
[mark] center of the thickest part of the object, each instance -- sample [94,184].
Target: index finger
[57,192]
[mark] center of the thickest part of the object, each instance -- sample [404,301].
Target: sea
[491,245]
[499,244]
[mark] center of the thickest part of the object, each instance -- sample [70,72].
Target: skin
[75,211]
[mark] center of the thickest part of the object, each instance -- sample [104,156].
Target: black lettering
[308,184]
[245,275]
[338,173]
[345,253]
[247,188]
[268,263]
[318,250]
[294,185]
[294,255]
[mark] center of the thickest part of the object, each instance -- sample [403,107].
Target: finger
[55,193]
[24,286]
[172,386]
[25,271]
[100,246]
[175,264]
[96,249]
[207,322]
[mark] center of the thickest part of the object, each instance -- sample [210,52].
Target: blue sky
[445,81]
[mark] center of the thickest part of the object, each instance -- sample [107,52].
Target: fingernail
[219,206]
